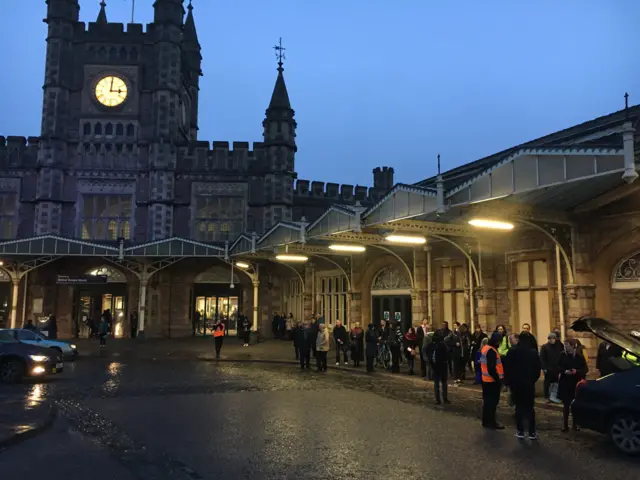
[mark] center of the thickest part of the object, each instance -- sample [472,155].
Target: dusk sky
[377,82]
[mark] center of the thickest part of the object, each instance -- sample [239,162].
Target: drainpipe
[563,328]
[630,174]
[24,299]
[472,306]
[429,287]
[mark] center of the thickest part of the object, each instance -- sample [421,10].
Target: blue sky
[377,82]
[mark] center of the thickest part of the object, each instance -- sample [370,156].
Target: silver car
[68,350]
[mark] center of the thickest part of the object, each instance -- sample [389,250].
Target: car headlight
[73,347]
[39,358]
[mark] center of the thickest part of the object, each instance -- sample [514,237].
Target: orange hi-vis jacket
[219,332]
[486,378]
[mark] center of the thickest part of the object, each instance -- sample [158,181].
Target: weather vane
[279,49]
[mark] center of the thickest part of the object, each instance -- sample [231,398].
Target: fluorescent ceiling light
[242,265]
[491,224]
[409,239]
[347,248]
[292,258]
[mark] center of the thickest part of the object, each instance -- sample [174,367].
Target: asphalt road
[198,420]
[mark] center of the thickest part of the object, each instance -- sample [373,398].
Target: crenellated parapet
[220,156]
[334,192]
[18,151]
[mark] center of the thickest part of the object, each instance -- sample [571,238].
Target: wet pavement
[160,419]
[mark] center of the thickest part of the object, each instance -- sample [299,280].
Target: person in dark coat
[133,323]
[476,344]
[411,348]
[606,352]
[356,340]
[341,339]
[573,368]
[550,358]
[371,348]
[421,332]
[438,357]
[195,322]
[526,328]
[246,330]
[395,345]
[521,372]
[30,326]
[52,327]
[301,338]
[313,336]
[297,339]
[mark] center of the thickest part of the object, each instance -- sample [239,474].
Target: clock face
[111,91]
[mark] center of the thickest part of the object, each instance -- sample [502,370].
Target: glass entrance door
[90,309]
[213,308]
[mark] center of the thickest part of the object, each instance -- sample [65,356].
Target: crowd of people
[500,362]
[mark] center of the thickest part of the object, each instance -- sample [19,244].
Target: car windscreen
[614,335]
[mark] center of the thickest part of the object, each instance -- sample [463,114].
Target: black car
[611,404]
[19,360]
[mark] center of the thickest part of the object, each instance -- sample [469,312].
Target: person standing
[422,333]
[503,346]
[195,322]
[302,336]
[290,324]
[395,345]
[521,372]
[411,348]
[322,347]
[476,346]
[103,330]
[526,328]
[52,327]
[371,349]
[356,340]
[30,326]
[438,356]
[246,330]
[298,339]
[218,337]
[492,378]
[550,359]
[313,337]
[133,323]
[341,339]
[573,368]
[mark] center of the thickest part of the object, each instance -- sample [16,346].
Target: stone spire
[190,35]
[280,96]
[102,15]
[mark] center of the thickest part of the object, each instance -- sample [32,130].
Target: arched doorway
[5,299]
[108,292]
[625,292]
[391,297]
[215,299]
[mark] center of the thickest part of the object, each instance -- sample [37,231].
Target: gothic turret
[280,148]
[168,11]
[191,69]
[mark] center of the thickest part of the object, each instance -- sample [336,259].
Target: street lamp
[406,239]
[490,224]
[242,265]
[347,248]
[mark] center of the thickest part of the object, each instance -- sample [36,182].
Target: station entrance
[214,299]
[92,300]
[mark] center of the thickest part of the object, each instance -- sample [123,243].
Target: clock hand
[111,87]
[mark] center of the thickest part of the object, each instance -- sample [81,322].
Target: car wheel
[11,371]
[625,433]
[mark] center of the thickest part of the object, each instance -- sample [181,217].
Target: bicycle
[384,356]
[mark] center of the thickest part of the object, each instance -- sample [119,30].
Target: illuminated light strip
[412,240]
[242,265]
[292,258]
[491,224]
[347,248]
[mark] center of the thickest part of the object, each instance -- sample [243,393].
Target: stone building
[122,207]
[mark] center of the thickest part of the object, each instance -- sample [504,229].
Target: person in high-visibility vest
[218,337]
[492,378]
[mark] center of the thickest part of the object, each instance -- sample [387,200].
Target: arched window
[131,130]
[97,129]
[125,230]
[119,129]
[113,230]
[86,128]
[626,274]
[113,275]
[108,129]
